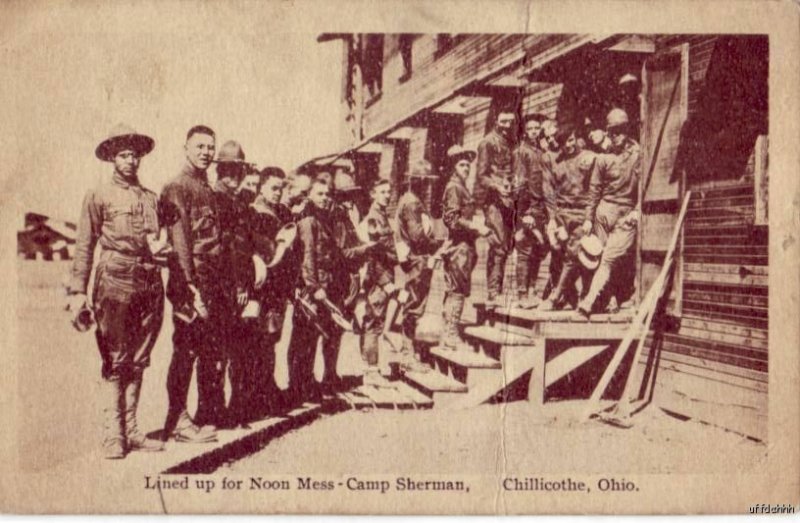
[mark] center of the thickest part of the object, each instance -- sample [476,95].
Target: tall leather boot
[135,437]
[454,306]
[113,434]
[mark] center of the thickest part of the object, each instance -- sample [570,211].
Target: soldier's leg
[111,338]
[148,316]
[330,357]
[374,323]
[524,272]
[302,348]
[618,242]
[221,333]
[418,286]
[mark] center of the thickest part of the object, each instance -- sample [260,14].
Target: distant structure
[44,238]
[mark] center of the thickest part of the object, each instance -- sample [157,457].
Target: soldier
[233,219]
[612,208]
[458,213]
[415,228]
[195,288]
[532,216]
[296,194]
[378,284]
[270,285]
[320,257]
[549,144]
[566,188]
[495,155]
[128,297]
[347,280]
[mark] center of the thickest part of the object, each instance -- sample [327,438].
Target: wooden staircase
[509,344]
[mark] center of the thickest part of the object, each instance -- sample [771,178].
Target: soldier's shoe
[114,448]
[139,441]
[613,306]
[187,432]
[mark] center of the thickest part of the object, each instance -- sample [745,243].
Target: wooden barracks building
[703,112]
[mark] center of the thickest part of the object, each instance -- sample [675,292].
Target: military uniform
[234,338]
[380,274]
[460,260]
[411,228]
[613,193]
[253,389]
[566,190]
[127,297]
[198,260]
[321,261]
[528,168]
[494,164]
[501,214]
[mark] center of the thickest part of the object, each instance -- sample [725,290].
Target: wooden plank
[757,270]
[726,250]
[708,355]
[724,338]
[741,259]
[733,299]
[498,336]
[433,382]
[727,308]
[732,279]
[466,359]
[413,396]
[515,364]
[711,326]
[713,370]
[718,346]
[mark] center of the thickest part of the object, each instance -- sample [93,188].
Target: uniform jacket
[494,163]
[381,261]
[118,216]
[196,234]
[411,214]
[615,179]
[235,218]
[322,259]
[528,167]
[265,222]
[566,182]
[458,210]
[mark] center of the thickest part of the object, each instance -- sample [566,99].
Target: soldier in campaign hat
[463,230]
[122,218]
[415,229]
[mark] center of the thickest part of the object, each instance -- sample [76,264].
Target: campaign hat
[122,137]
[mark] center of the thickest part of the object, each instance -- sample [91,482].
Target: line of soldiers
[240,252]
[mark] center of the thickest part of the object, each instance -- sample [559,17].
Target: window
[445,42]
[406,46]
[372,66]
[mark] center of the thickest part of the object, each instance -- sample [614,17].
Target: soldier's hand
[198,303]
[587,227]
[75,302]
[320,295]
[241,297]
[402,296]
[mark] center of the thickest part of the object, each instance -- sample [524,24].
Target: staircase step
[498,336]
[432,382]
[466,358]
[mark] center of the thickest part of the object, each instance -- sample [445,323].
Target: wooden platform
[562,324]
[384,394]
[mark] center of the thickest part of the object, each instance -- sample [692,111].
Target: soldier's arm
[595,188]
[483,173]
[180,231]
[549,187]
[307,237]
[451,214]
[89,228]
[520,168]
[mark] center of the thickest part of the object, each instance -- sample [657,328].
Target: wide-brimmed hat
[123,137]
[590,251]
[230,152]
[343,182]
[456,152]
[422,169]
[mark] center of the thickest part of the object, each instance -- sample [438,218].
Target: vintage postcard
[487,257]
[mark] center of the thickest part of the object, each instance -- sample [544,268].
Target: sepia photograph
[266,263]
